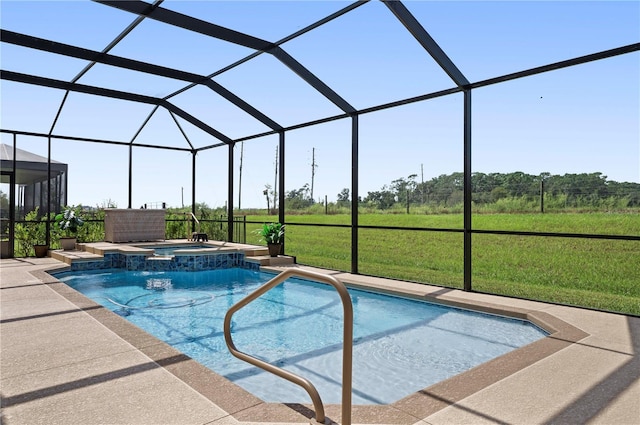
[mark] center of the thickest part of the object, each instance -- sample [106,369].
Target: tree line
[583,190]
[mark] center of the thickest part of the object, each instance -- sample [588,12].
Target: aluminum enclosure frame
[143,10]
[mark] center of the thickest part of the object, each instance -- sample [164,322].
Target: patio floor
[65,360]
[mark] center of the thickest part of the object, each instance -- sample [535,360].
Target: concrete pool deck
[66,360]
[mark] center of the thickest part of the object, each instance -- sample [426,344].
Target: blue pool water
[400,345]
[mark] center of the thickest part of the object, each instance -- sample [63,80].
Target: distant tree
[383,199]
[4,201]
[483,185]
[456,197]
[4,204]
[107,203]
[402,186]
[203,210]
[442,187]
[299,198]
[581,189]
[498,193]
[267,192]
[343,198]
[591,190]
[398,187]
[626,190]
[519,184]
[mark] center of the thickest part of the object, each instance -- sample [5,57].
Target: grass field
[594,273]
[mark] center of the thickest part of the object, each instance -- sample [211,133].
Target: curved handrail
[196,219]
[347,348]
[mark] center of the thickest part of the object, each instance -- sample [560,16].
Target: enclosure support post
[193,190]
[281,194]
[12,202]
[130,174]
[354,193]
[468,192]
[48,225]
[230,195]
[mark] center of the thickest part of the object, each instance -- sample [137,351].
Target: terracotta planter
[68,244]
[274,249]
[41,250]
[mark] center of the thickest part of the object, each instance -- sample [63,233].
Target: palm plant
[271,233]
[69,221]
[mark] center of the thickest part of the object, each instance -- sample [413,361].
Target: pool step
[73,256]
[267,260]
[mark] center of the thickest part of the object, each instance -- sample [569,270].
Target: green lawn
[596,273]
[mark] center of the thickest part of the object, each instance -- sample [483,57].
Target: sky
[580,119]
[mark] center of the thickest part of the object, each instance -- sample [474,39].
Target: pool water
[400,345]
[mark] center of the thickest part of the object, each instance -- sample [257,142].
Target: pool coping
[244,406]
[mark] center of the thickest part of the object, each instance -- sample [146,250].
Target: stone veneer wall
[177,263]
[130,225]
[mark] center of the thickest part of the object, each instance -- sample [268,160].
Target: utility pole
[240,177]
[275,182]
[182,196]
[313,169]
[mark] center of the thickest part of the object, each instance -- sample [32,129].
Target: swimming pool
[400,345]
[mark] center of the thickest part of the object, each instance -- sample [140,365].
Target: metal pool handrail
[347,348]
[197,221]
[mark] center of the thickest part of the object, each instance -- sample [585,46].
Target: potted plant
[33,234]
[273,235]
[68,222]
[40,246]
